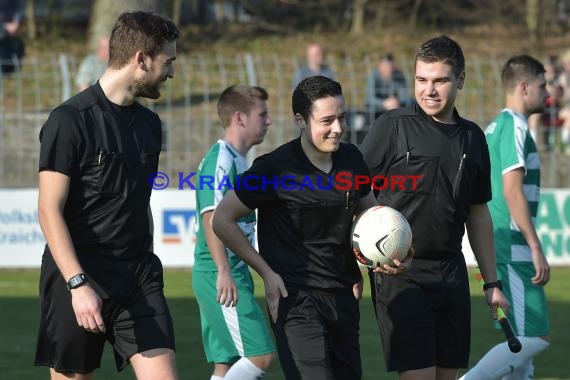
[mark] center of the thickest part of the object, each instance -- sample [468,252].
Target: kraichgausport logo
[340,181]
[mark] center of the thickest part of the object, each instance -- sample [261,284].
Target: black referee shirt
[453,161]
[109,152]
[304,220]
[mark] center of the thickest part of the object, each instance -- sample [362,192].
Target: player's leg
[453,318]
[418,374]
[67,376]
[142,325]
[155,364]
[341,315]
[301,338]
[216,337]
[528,316]
[248,330]
[524,372]
[69,350]
[406,322]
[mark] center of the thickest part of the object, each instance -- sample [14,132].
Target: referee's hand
[87,307]
[274,290]
[399,266]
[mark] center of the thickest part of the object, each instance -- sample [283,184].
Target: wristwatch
[76,281]
[494,284]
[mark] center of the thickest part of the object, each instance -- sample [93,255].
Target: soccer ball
[380,235]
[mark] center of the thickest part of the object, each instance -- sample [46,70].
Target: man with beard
[515,178]
[100,280]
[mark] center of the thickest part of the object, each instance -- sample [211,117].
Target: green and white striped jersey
[511,146]
[216,175]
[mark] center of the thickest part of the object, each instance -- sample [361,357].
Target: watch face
[76,281]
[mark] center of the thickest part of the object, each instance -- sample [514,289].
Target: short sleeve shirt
[109,152]
[450,164]
[217,174]
[511,147]
[305,215]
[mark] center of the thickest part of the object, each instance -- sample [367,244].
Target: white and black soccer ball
[380,235]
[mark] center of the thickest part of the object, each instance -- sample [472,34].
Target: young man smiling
[424,314]
[312,281]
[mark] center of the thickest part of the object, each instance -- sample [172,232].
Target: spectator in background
[564,81]
[386,88]
[94,65]
[10,44]
[316,65]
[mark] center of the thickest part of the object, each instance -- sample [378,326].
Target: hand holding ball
[381,235]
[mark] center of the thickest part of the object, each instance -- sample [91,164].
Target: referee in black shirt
[100,280]
[424,314]
[312,281]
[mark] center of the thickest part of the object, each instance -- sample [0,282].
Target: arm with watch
[480,233]
[53,192]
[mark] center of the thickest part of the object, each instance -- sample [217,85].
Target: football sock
[500,361]
[524,372]
[214,377]
[244,369]
[565,136]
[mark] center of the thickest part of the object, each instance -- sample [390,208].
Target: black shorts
[424,315]
[317,336]
[134,310]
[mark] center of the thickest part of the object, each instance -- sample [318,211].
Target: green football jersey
[216,175]
[511,146]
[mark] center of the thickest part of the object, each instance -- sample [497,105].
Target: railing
[188,105]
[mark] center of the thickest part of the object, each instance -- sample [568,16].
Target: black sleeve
[257,186]
[61,143]
[482,189]
[378,147]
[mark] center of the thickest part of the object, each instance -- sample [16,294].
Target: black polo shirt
[109,152]
[304,220]
[453,161]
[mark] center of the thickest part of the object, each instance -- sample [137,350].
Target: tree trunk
[176,11]
[220,13]
[533,16]
[105,13]
[413,20]
[31,19]
[357,26]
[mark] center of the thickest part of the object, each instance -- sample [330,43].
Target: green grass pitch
[19,316]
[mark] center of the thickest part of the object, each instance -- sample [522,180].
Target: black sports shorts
[134,310]
[424,315]
[317,335]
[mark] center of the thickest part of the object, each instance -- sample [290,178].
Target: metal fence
[188,105]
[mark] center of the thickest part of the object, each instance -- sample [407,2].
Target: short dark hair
[519,68]
[442,49]
[238,98]
[139,30]
[310,90]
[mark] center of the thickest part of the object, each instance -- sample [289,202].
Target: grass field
[19,316]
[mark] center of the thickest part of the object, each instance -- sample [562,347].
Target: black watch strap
[76,281]
[494,284]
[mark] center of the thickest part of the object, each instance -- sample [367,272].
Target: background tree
[105,13]
[31,19]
